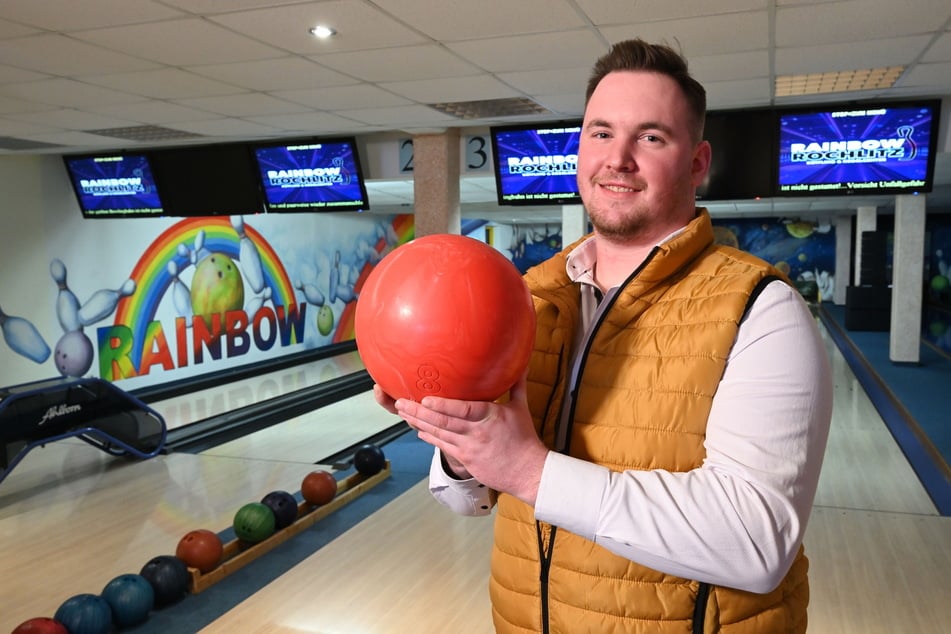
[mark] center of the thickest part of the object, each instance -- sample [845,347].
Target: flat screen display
[114,185]
[207,180]
[314,175]
[536,164]
[857,149]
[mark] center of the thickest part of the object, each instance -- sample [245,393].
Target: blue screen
[882,148]
[114,186]
[322,175]
[536,165]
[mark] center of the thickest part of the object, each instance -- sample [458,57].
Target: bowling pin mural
[257,301]
[312,294]
[248,256]
[23,338]
[181,296]
[67,304]
[103,302]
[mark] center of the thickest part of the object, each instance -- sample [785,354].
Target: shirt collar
[579,265]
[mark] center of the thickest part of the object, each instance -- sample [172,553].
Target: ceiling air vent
[147,133]
[490,108]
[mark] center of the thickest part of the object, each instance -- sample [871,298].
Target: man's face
[638,166]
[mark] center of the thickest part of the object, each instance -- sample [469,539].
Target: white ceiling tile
[243,105]
[857,20]
[180,42]
[11,104]
[400,116]
[226,127]
[11,30]
[11,75]
[285,73]
[66,92]
[224,6]
[565,105]
[464,19]
[86,14]
[311,123]
[398,64]
[359,26]
[60,55]
[940,50]
[166,83]
[849,55]
[521,53]
[548,81]
[452,89]
[343,97]
[70,119]
[155,112]
[604,12]
[732,66]
[81,139]
[710,35]
[929,75]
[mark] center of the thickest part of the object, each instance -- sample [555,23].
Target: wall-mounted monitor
[208,180]
[312,175]
[536,164]
[861,148]
[116,185]
[742,143]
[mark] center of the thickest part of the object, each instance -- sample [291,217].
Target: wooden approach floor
[880,553]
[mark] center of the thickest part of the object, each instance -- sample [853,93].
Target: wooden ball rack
[238,553]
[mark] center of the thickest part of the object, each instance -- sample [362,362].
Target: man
[655,469]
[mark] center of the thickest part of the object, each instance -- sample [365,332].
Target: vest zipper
[700,608]
[545,550]
[544,556]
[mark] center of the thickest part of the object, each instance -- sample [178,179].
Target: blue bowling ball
[284,506]
[85,614]
[369,459]
[169,578]
[131,598]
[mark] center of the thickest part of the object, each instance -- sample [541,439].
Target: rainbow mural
[404,227]
[152,277]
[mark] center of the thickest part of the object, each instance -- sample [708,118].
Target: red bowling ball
[41,625]
[201,549]
[318,487]
[445,315]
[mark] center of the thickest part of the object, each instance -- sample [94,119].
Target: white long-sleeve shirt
[738,520]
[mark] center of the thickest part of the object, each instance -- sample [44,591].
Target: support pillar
[574,223]
[436,183]
[904,341]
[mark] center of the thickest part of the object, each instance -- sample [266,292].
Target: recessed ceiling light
[322,31]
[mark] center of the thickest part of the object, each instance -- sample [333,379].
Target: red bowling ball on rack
[445,315]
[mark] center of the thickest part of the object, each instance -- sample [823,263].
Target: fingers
[384,400]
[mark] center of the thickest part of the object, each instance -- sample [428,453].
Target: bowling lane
[72,517]
[413,566]
[194,406]
[864,467]
[71,507]
[314,435]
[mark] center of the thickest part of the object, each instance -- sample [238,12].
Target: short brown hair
[636,54]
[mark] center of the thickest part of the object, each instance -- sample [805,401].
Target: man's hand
[494,443]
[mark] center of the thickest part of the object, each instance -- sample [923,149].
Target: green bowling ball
[254,522]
